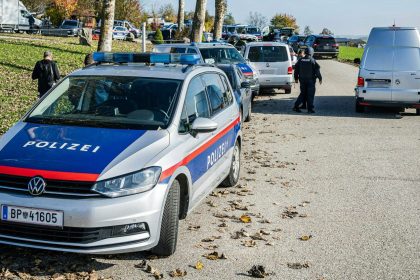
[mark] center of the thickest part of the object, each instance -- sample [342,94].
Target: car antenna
[394,23]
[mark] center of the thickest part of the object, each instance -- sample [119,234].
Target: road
[349,183]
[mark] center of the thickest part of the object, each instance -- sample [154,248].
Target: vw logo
[36,186]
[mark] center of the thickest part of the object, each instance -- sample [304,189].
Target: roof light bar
[164,58]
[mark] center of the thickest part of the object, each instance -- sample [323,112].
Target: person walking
[307,70]
[46,72]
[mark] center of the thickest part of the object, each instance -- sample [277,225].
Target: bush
[158,38]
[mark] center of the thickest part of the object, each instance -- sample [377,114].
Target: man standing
[307,70]
[46,72]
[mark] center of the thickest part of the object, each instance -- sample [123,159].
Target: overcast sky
[349,17]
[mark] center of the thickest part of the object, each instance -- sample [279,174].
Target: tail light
[336,45]
[360,82]
[290,70]
[315,45]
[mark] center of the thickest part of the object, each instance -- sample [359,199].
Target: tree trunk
[199,20]
[181,14]
[219,18]
[107,24]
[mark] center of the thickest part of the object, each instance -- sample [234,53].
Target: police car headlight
[129,184]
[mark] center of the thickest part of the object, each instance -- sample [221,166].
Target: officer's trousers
[307,91]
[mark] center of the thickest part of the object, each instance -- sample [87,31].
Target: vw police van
[116,153]
[389,73]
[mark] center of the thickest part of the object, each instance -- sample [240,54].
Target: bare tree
[105,40]
[221,7]
[199,20]
[258,20]
[181,14]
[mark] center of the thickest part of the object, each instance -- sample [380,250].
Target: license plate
[34,216]
[266,72]
[327,47]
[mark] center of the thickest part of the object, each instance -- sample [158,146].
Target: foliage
[350,53]
[209,22]
[167,12]
[17,90]
[257,19]
[326,31]
[36,6]
[307,31]
[284,20]
[128,10]
[65,7]
[158,38]
[229,19]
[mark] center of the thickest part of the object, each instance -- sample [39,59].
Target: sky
[349,17]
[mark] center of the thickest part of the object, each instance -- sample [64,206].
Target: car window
[191,50]
[407,59]
[378,58]
[324,41]
[268,54]
[178,49]
[196,104]
[231,77]
[227,94]
[222,55]
[215,91]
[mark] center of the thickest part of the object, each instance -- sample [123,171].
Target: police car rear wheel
[235,168]
[170,220]
[248,117]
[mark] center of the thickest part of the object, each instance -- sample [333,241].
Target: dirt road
[334,195]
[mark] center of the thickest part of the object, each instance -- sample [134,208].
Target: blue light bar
[153,58]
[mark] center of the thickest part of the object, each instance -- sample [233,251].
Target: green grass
[17,58]
[350,53]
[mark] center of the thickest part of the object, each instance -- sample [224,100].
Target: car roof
[395,28]
[256,44]
[199,45]
[323,36]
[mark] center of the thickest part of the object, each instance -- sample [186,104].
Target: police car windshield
[221,55]
[119,102]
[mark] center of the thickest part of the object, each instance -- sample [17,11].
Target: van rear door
[406,87]
[270,59]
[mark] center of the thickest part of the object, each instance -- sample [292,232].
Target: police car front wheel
[235,167]
[170,220]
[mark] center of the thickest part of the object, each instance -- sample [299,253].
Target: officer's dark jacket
[307,69]
[46,72]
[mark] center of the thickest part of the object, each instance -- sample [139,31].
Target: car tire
[170,220]
[418,112]
[288,90]
[359,108]
[248,117]
[235,168]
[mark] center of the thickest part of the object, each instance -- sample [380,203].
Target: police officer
[307,70]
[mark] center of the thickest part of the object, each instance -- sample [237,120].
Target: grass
[18,55]
[350,53]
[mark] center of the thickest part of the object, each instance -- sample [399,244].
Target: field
[350,53]
[18,55]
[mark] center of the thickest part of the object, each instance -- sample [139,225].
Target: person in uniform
[307,70]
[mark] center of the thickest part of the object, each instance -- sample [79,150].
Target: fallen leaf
[240,234]
[245,219]
[178,273]
[305,237]
[199,265]
[215,256]
[249,243]
[298,265]
[258,271]
[193,227]
[156,273]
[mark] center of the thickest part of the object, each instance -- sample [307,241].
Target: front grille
[65,234]
[54,187]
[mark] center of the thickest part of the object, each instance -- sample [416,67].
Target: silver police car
[117,153]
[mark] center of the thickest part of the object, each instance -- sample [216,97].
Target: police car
[116,153]
[218,53]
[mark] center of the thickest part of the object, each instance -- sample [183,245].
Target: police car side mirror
[203,125]
[245,85]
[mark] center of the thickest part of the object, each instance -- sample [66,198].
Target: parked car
[131,28]
[389,72]
[296,41]
[15,17]
[71,26]
[217,53]
[323,45]
[274,63]
[115,154]
[241,88]
[120,33]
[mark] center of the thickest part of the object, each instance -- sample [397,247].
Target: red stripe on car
[48,174]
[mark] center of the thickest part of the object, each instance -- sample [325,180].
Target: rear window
[330,41]
[407,38]
[378,58]
[407,59]
[268,54]
[70,23]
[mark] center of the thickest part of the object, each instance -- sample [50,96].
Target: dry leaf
[215,256]
[258,271]
[156,273]
[245,219]
[178,273]
[193,227]
[199,265]
[298,265]
[249,243]
[305,237]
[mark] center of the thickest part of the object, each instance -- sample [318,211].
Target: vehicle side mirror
[246,84]
[203,125]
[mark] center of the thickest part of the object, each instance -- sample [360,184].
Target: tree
[128,10]
[307,31]
[257,19]
[36,6]
[326,31]
[181,14]
[229,19]
[199,20]
[209,22]
[158,38]
[107,19]
[167,12]
[221,7]
[284,20]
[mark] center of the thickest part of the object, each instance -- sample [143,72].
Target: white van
[389,73]
[274,63]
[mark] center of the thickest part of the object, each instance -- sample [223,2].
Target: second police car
[115,154]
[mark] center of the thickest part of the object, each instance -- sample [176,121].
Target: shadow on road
[328,106]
